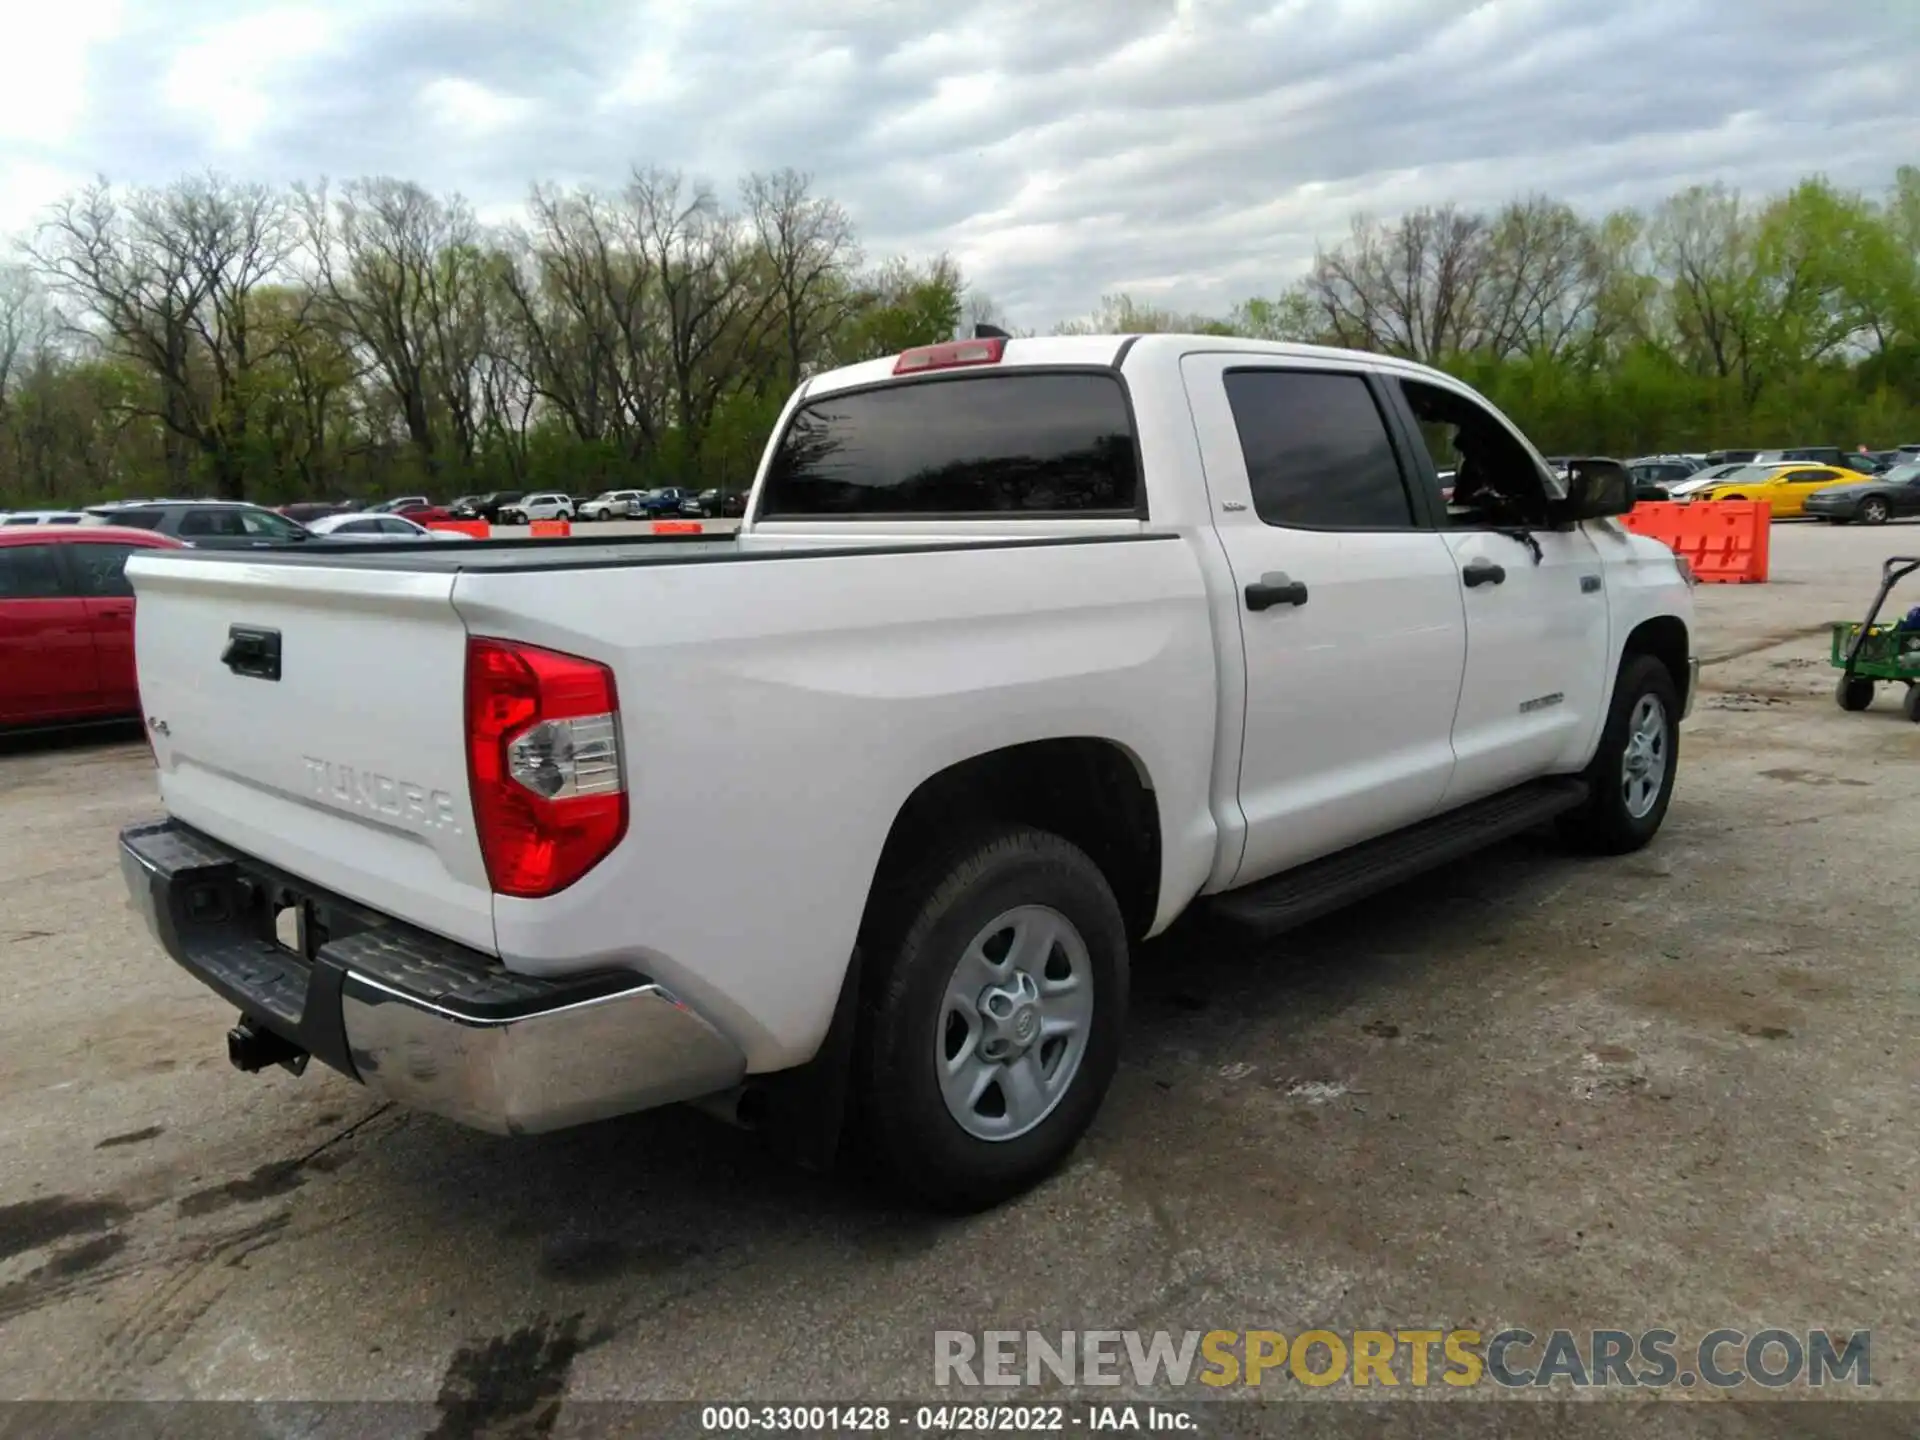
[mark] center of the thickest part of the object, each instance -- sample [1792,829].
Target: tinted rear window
[1032,443]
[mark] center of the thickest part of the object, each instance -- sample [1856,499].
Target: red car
[66,622]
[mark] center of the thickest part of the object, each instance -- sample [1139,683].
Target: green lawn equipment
[1868,652]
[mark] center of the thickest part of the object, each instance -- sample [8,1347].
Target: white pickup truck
[846,825]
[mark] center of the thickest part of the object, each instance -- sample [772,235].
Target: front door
[1535,597]
[1352,627]
[47,669]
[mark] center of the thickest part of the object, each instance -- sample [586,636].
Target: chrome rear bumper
[417,1018]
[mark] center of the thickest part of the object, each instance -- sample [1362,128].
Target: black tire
[1853,692]
[921,928]
[1606,824]
[1874,511]
[1910,704]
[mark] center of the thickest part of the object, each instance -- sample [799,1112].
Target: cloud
[1190,150]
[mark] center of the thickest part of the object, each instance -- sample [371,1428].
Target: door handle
[1483,572]
[253,651]
[1274,588]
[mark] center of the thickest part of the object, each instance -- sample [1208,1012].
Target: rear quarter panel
[776,714]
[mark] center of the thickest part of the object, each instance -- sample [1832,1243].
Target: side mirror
[1596,489]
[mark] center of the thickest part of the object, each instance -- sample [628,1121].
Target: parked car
[612,505]
[1784,487]
[379,527]
[668,500]
[1811,454]
[421,514]
[41,517]
[1871,502]
[307,511]
[66,623]
[1652,479]
[486,507]
[1076,693]
[207,524]
[718,502]
[396,505]
[1730,457]
[543,505]
[1702,480]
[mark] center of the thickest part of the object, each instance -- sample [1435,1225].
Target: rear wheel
[1911,704]
[1853,692]
[1874,511]
[1632,774]
[990,1027]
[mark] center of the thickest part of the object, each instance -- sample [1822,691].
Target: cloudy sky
[1187,151]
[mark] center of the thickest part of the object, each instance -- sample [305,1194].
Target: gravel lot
[1675,1088]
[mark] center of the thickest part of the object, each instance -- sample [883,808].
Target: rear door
[100,577]
[47,668]
[1796,485]
[1351,622]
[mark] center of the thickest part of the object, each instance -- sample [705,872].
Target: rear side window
[30,572]
[101,569]
[1317,451]
[210,522]
[1034,444]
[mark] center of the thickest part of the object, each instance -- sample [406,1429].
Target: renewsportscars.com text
[1512,1358]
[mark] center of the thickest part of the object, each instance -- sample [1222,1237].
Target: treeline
[1714,320]
[224,338]
[211,337]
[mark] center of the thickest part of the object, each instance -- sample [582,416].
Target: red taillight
[543,755]
[950,355]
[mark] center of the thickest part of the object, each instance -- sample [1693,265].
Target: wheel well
[1665,638]
[1089,792]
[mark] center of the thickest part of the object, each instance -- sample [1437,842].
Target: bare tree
[583,294]
[383,258]
[1413,288]
[1701,242]
[1544,271]
[808,244]
[25,324]
[169,280]
[712,311]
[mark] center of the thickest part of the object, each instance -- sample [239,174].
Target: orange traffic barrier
[478,529]
[1724,541]
[677,527]
[541,528]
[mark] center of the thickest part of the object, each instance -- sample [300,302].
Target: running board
[1309,891]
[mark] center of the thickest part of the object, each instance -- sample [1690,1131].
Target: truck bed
[772,718]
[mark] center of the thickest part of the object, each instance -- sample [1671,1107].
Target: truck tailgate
[312,716]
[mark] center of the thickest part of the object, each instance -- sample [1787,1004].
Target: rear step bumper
[417,1018]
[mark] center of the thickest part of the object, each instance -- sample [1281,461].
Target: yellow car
[1784,487]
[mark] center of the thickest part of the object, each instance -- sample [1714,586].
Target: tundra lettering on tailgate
[420,807]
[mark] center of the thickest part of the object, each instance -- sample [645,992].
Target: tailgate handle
[252,651]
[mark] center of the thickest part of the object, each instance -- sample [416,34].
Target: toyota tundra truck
[845,826]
